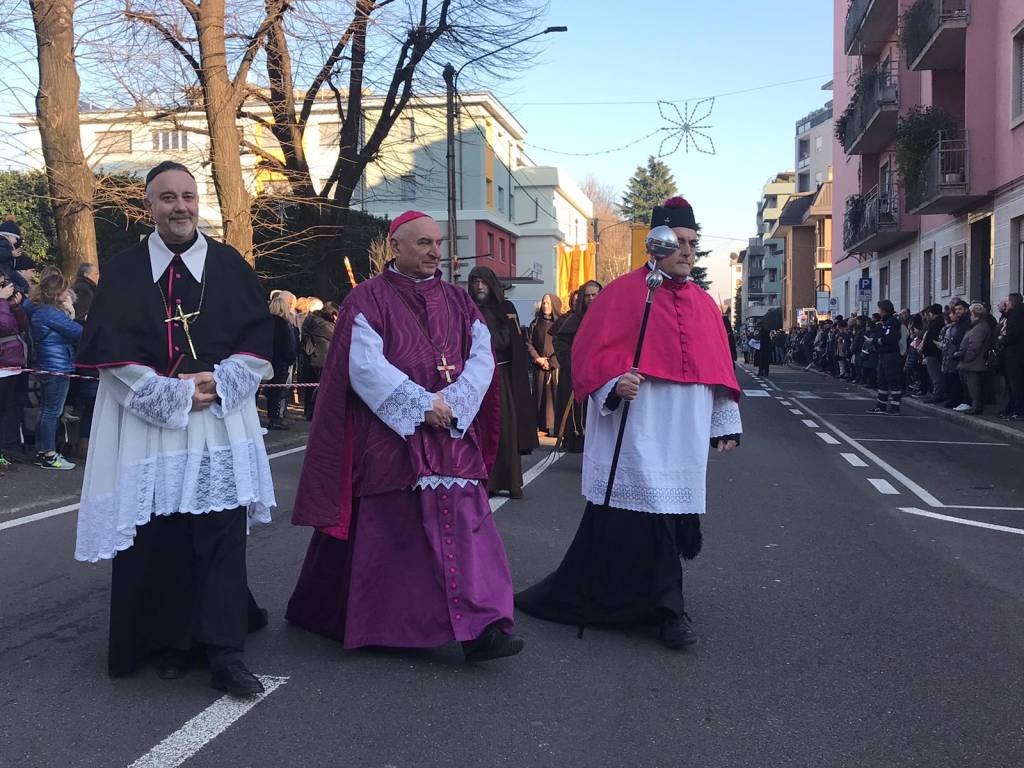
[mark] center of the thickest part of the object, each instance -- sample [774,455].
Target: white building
[511,215]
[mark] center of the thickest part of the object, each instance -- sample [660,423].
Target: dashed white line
[203,728]
[809,423]
[796,411]
[854,459]
[883,486]
[755,393]
[826,437]
[962,521]
[785,402]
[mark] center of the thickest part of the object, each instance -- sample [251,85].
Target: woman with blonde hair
[55,334]
[282,359]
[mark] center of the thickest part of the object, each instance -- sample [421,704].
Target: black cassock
[182,585]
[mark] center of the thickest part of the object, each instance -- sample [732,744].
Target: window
[170,141]
[501,198]
[1017,99]
[818,144]
[512,255]
[407,129]
[490,193]
[330,134]
[756,284]
[501,249]
[819,178]
[944,273]
[904,284]
[1017,226]
[959,268]
[883,283]
[512,205]
[772,275]
[408,183]
[927,278]
[846,298]
[111,142]
[490,245]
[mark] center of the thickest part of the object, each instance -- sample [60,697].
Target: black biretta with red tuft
[675,212]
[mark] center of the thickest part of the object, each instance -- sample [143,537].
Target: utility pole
[597,244]
[453,237]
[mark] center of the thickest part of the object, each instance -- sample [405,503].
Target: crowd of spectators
[960,356]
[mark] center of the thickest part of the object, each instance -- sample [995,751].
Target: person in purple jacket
[55,334]
[13,326]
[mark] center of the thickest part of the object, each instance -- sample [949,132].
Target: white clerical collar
[393,268]
[651,264]
[160,256]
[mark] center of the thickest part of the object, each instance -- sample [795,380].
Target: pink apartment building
[956,227]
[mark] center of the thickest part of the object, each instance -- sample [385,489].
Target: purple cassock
[406,552]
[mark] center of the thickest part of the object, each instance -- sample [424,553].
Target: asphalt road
[848,615]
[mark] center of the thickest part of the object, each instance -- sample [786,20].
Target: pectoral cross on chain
[184,320]
[445,369]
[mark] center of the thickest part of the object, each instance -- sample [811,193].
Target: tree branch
[256,41]
[150,20]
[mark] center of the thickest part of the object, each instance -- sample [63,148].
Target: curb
[971,422]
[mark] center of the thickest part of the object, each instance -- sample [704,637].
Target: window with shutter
[959,268]
[1017,97]
[944,279]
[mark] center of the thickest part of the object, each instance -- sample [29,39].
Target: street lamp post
[451,80]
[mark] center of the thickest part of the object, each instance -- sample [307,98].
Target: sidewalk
[988,422]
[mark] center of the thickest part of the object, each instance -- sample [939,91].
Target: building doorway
[980,280]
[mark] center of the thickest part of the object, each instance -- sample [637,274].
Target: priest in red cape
[405,552]
[624,564]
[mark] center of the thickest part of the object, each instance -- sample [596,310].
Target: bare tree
[613,233]
[70,178]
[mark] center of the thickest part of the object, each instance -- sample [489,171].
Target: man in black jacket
[1011,344]
[890,387]
[931,353]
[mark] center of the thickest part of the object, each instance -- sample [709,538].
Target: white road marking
[826,437]
[74,507]
[529,476]
[203,728]
[925,442]
[802,394]
[914,488]
[883,486]
[876,415]
[755,393]
[962,521]
[809,423]
[785,402]
[854,459]
[991,509]
[796,411]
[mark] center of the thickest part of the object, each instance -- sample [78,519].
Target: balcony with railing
[934,34]
[944,183]
[870,24]
[869,121]
[803,162]
[873,221]
[823,258]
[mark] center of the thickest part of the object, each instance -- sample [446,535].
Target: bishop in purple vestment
[405,552]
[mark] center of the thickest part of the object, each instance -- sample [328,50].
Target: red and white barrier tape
[16,369]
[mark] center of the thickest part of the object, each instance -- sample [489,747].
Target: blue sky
[651,50]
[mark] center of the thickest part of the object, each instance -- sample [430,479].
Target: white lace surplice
[402,404]
[663,463]
[151,456]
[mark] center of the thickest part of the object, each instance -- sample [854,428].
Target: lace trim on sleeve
[236,385]
[405,408]
[163,402]
[725,417]
[464,400]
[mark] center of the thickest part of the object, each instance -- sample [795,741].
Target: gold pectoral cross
[184,320]
[445,369]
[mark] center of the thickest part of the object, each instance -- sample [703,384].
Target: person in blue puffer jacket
[55,334]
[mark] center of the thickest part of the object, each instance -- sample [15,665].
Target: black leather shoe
[677,633]
[172,665]
[492,644]
[237,680]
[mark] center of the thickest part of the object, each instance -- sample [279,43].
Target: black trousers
[1013,369]
[181,586]
[890,380]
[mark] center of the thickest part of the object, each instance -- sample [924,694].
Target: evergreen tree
[649,186]
[699,274]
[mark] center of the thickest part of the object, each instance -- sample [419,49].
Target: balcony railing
[934,34]
[803,162]
[869,121]
[823,258]
[943,185]
[873,221]
[869,24]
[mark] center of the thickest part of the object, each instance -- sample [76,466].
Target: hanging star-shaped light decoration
[689,129]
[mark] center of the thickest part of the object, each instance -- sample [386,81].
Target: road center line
[204,728]
[883,486]
[926,442]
